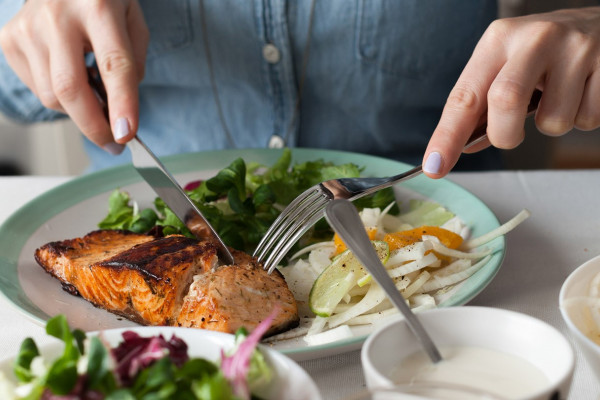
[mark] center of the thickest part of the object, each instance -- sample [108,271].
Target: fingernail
[121,128]
[113,148]
[433,163]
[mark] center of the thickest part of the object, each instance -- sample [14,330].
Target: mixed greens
[242,200]
[148,368]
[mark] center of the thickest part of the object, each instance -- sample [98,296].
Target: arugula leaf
[62,374]
[120,213]
[231,177]
[99,373]
[22,364]
[243,200]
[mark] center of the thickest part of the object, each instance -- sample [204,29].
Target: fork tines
[292,223]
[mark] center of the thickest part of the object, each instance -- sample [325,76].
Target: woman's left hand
[557,52]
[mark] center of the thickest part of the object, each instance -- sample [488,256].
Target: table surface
[562,233]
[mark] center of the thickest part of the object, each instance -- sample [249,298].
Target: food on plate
[137,368]
[172,280]
[241,201]
[585,310]
[426,250]
[491,371]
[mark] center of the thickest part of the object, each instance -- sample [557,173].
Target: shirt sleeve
[17,102]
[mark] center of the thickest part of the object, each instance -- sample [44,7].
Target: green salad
[242,200]
[139,368]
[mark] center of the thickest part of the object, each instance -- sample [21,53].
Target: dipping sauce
[490,371]
[584,310]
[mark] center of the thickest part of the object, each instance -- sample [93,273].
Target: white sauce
[491,371]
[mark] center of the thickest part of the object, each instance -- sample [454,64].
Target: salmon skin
[172,280]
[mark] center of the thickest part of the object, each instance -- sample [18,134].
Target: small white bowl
[577,285]
[290,381]
[489,328]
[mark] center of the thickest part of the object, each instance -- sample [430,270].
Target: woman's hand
[45,43]
[557,52]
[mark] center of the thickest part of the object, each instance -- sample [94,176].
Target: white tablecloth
[562,233]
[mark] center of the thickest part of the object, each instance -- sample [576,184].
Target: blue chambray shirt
[378,74]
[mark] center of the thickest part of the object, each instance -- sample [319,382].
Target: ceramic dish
[75,208]
[574,308]
[290,381]
[507,333]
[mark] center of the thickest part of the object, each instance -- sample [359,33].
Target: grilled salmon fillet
[172,280]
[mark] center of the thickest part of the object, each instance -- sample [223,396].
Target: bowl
[290,381]
[515,336]
[574,305]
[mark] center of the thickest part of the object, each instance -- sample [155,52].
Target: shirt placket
[278,71]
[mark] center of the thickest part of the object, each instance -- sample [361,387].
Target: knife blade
[166,187]
[153,171]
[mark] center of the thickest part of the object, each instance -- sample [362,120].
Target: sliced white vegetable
[410,252]
[422,300]
[454,225]
[327,245]
[438,282]
[453,268]
[374,296]
[299,278]
[392,223]
[332,335]
[417,284]
[319,259]
[358,290]
[317,326]
[301,330]
[347,298]
[413,266]
[499,231]
[371,318]
[370,217]
[441,249]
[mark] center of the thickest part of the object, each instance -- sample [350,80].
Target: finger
[563,90]
[114,55]
[70,84]
[509,96]
[588,115]
[464,108]
[40,74]
[139,37]
[15,57]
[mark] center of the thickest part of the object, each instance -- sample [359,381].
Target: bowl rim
[562,296]
[569,364]
[289,368]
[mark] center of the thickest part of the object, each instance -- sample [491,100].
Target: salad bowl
[289,380]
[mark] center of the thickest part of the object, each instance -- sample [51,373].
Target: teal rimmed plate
[74,209]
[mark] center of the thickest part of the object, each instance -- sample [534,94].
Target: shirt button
[271,53]
[276,142]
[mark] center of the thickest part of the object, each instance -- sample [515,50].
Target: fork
[344,219]
[308,208]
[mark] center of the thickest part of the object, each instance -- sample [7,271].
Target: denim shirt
[377,75]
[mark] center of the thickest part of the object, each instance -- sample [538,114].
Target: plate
[290,381]
[74,209]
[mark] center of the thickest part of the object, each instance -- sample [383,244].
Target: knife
[162,182]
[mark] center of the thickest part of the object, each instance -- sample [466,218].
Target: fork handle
[344,219]
[352,189]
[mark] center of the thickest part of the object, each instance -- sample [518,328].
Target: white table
[562,233]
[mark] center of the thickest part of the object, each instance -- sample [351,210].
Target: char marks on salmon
[172,280]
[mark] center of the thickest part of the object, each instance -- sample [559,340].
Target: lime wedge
[338,278]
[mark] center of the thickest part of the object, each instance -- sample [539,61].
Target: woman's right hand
[46,42]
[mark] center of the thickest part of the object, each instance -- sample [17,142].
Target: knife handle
[95,82]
